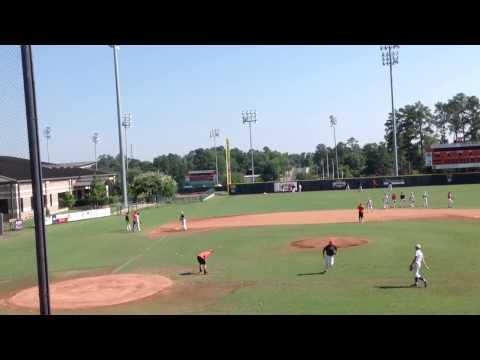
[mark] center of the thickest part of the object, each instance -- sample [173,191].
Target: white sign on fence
[76,216]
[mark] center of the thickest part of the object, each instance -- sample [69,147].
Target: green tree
[69,199]
[98,193]
[149,184]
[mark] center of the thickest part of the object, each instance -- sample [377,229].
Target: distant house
[16,189]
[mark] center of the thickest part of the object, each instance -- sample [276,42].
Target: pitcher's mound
[320,243]
[95,291]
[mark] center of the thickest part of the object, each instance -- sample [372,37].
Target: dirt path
[315,217]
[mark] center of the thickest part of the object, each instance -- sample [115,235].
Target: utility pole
[250,117]
[328,172]
[119,120]
[390,58]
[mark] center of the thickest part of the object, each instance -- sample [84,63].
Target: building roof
[19,169]
[79,164]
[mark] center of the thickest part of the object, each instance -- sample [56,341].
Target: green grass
[259,265]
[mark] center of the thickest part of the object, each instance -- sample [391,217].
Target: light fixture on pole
[249,117]
[333,123]
[390,58]
[48,135]
[127,120]
[119,120]
[214,133]
[95,140]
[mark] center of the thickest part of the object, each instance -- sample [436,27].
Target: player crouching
[202,260]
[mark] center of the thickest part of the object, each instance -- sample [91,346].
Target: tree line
[418,127]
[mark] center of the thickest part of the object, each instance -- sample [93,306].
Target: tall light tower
[48,135]
[249,117]
[214,133]
[127,120]
[333,122]
[390,58]
[95,140]
[119,112]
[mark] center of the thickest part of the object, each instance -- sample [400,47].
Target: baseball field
[267,258]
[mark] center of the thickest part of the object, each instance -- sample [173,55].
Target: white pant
[184,224]
[129,227]
[450,203]
[425,203]
[329,260]
[416,269]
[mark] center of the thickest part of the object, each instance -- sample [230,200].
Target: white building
[16,188]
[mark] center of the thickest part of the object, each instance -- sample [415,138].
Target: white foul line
[129,261]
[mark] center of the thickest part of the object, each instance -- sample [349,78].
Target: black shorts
[360,215]
[201,261]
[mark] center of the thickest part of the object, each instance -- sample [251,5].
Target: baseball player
[347,187]
[299,187]
[402,199]
[127,220]
[360,212]
[183,222]
[394,200]
[329,253]
[450,199]
[385,201]
[425,199]
[370,205]
[360,188]
[390,187]
[416,265]
[202,260]
[412,199]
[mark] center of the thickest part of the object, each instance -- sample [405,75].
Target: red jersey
[360,209]
[205,254]
[394,197]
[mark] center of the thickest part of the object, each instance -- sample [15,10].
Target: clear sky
[178,93]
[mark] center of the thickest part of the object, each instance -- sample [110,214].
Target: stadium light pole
[328,171]
[214,133]
[119,112]
[95,140]
[126,123]
[48,135]
[390,58]
[250,117]
[333,123]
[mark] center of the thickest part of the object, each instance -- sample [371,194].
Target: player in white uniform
[450,199]
[370,205]
[416,265]
[385,201]
[412,199]
[183,221]
[425,199]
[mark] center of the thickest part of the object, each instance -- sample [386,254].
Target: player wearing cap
[202,260]
[416,265]
[450,199]
[329,253]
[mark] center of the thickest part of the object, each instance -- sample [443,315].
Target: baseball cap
[418,246]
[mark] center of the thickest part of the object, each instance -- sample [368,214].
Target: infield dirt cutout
[94,291]
[315,217]
[320,243]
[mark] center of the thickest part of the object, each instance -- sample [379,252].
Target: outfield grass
[260,266]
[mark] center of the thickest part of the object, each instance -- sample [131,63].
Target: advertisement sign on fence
[76,216]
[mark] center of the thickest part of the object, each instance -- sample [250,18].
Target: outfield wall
[366,182]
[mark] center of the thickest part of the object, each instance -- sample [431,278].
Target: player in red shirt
[202,260]
[360,213]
